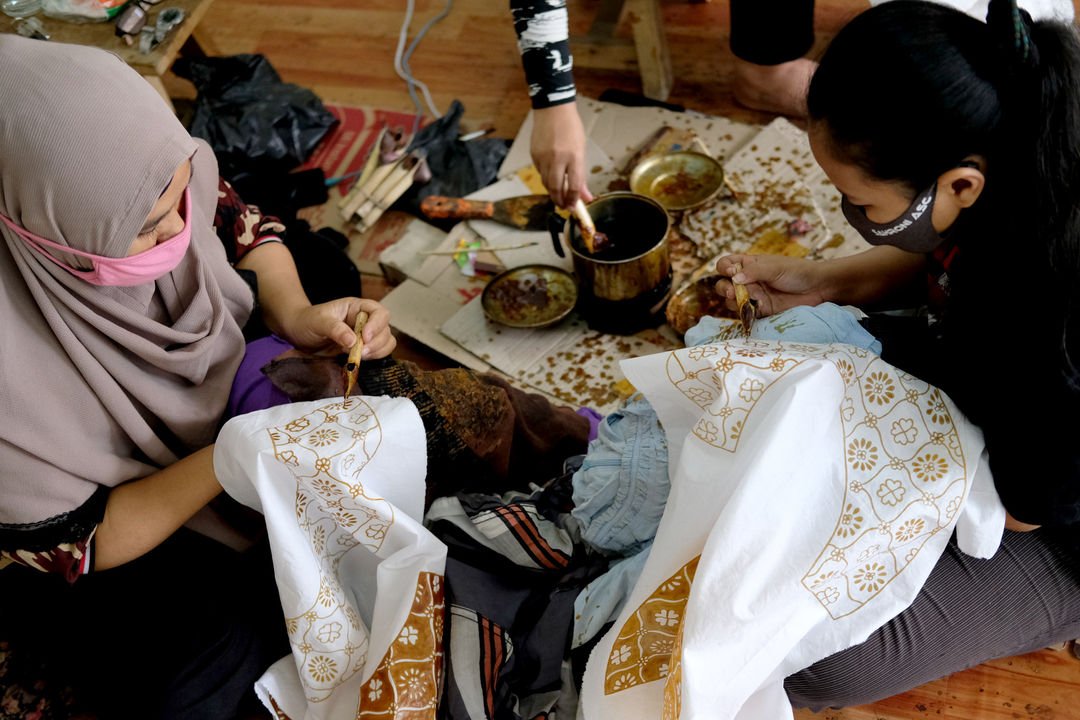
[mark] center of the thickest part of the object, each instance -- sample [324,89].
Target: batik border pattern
[329,639]
[901,449]
[646,647]
[899,440]
[407,683]
[705,375]
[905,480]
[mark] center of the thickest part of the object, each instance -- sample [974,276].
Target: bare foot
[779,89]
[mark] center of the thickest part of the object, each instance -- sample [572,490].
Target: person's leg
[769,39]
[969,611]
[182,632]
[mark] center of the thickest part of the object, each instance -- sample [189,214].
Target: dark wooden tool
[747,307]
[352,367]
[594,241]
[526,212]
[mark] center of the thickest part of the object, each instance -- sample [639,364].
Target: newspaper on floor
[570,362]
[780,202]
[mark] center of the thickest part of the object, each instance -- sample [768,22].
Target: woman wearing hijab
[121,321]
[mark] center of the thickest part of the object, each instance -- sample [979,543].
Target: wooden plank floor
[344,51]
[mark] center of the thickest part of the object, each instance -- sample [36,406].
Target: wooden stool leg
[654,62]
[200,45]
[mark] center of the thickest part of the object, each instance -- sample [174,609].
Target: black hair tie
[1012,27]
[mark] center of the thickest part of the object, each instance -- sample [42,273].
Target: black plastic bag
[250,117]
[457,168]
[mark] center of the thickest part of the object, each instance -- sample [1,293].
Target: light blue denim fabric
[622,486]
[824,323]
[601,601]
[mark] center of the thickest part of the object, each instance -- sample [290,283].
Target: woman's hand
[329,327]
[140,514]
[774,282]
[558,150]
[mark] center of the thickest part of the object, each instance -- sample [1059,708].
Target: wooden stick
[731,189]
[370,163]
[352,367]
[364,192]
[482,248]
[385,200]
[644,150]
[746,305]
[588,229]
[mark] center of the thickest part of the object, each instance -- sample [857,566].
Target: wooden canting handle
[440,206]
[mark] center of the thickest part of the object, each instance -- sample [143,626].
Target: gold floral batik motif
[706,375]
[672,704]
[647,647]
[905,473]
[278,712]
[326,451]
[406,684]
[905,478]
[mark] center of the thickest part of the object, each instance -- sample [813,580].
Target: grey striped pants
[969,611]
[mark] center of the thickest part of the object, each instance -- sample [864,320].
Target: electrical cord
[401,61]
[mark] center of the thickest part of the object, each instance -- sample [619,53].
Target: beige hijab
[101,385]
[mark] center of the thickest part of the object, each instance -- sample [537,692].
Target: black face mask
[913,231]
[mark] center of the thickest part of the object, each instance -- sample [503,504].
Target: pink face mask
[129,271]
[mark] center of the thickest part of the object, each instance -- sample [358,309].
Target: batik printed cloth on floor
[341,485]
[813,489]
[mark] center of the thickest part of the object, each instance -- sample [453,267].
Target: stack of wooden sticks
[378,186]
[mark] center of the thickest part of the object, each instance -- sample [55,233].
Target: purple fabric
[594,419]
[251,389]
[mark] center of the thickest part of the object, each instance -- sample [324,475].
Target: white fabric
[341,484]
[1039,9]
[813,489]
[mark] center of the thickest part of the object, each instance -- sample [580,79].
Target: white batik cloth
[341,484]
[813,489]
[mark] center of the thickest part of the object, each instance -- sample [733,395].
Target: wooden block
[663,140]
[654,61]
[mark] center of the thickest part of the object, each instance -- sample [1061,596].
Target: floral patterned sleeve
[62,544]
[240,226]
[543,33]
[68,559]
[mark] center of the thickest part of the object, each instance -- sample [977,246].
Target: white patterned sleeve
[542,28]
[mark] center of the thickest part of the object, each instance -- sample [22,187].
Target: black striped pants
[1025,597]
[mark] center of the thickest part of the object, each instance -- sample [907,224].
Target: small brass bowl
[695,299]
[530,296]
[678,180]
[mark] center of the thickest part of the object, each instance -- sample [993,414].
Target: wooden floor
[344,51]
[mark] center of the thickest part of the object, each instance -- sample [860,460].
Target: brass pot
[624,287]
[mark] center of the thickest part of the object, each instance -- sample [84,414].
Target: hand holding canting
[329,327]
[775,282]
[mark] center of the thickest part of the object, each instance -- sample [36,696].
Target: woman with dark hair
[956,147]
